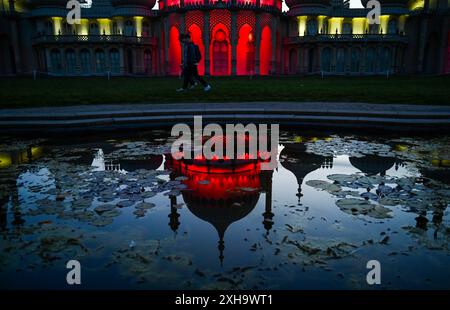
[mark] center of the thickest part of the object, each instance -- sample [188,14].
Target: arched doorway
[325,59]
[196,37]
[220,51]
[174,51]
[114,59]
[265,53]
[85,61]
[341,56]
[71,62]
[56,62]
[245,51]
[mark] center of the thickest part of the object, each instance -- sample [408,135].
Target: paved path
[330,114]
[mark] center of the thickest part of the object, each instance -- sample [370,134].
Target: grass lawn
[24,92]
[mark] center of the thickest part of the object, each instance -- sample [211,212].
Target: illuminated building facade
[236,37]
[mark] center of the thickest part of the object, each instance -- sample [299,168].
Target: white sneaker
[193,86]
[208,88]
[179,90]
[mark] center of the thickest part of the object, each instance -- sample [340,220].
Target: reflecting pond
[136,218]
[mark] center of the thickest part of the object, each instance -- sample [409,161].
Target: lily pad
[362,207]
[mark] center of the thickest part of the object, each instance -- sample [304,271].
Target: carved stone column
[206,40]
[234,41]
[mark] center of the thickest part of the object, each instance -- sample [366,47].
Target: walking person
[191,56]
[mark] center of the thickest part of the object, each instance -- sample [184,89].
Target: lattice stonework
[266,20]
[220,16]
[246,17]
[194,17]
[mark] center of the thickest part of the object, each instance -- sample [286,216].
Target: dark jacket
[189,58]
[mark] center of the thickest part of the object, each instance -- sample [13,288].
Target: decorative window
[100,62]
[392,26]
[70,61]
[56,62]
[326,59]
[355,59]
[347,28]
[311,27]
[115,60]
[340,60]
[85,61]
[129,28]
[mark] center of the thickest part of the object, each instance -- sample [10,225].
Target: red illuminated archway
[220,51]
[265,51]
[196,36]
[245,51]
[174,51]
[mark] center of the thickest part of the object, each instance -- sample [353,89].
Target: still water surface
[137,219]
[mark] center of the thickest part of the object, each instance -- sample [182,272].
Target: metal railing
[224,4]
[347,38]
[94,39]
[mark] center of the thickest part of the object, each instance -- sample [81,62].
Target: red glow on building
[248,2]
[220,51]
[173,3]
[265,51]
[217,181]
[245,51]
[232,42]
[196,37]
[174,51]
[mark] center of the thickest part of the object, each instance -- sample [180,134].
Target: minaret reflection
[221,192]
[174,222]
[295,159]
[266,180]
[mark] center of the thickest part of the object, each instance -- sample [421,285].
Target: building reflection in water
[294,158]
[372,165]
[221,192]
[9,171]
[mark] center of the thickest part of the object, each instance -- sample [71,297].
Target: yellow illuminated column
[401,23]
[301,25]
[5,160]
[138,25]
[57,25]
[335,25]
[105,26]
[320,20]
[417,4]
[358,25]
[384,20]
[83,27]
